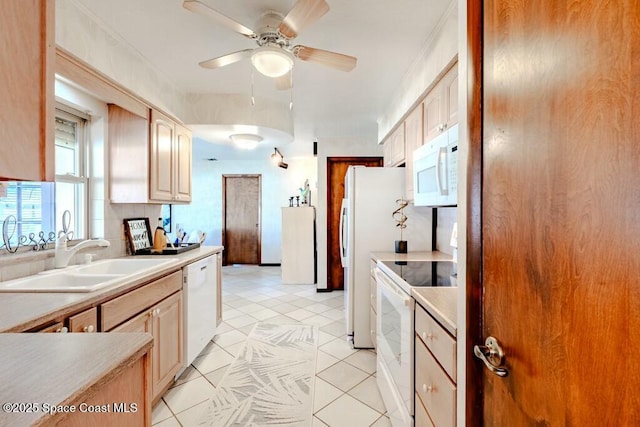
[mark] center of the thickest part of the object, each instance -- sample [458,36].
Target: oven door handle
[389,286]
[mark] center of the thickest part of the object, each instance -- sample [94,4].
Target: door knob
[492,356]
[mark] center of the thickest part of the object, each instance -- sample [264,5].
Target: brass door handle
[492,356]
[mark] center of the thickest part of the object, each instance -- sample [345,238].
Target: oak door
[336,170]
[241,216]
[560,220]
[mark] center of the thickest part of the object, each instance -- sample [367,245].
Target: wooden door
[560,220]
[336,169]
[241,215]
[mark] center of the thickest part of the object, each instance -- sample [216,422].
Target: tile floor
[345,388]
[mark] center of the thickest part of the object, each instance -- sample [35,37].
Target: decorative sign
[138,233]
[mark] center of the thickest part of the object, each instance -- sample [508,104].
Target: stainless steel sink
[87,277]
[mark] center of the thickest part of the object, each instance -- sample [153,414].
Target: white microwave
[435,171]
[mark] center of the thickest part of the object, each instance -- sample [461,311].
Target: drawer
[56,327]
[421,417]
[128,305]
[373,292]
[87,321]
[439,342]
[372,326]
[435,389]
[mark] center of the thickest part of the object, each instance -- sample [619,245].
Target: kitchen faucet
[64,254]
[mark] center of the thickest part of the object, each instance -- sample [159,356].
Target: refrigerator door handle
[343,219]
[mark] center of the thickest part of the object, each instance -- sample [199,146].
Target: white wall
[439,51]
[205,212]
[78,32]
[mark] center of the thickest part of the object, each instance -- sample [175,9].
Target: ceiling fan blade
[301,15]
[221,61]
[335,60]
[201,8]
[284,82]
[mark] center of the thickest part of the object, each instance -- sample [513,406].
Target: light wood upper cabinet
[26,72]
[162,157]
[441,105]
[413,137]
[170,179]
[150,158]
[183,164]
[394,148]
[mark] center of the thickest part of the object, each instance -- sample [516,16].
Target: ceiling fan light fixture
[245,141]
[272,61]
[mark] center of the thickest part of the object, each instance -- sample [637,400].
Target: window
[39,206]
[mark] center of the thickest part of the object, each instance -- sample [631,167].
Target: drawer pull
[427,389]
[62,330]
[89,328]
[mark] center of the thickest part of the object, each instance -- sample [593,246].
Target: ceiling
[386,37]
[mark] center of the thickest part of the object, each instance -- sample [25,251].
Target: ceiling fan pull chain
[291,90]
[253,100]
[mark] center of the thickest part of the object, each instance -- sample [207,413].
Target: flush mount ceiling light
[272,61]
[245,141]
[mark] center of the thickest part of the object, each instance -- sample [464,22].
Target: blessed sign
[137,231]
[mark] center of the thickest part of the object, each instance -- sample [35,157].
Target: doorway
[336,170]
[241,225]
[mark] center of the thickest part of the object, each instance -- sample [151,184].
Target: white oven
[395,330]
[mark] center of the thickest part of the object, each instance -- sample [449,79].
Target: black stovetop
[424,273]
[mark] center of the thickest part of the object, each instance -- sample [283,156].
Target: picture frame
[138,234]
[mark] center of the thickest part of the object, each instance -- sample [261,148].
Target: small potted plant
[401,219]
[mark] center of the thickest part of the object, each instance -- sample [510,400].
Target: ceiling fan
[274,55]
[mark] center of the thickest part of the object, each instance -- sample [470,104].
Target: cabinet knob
[426,388]
[89,328]
[157,312]
[62,330]
[427,336]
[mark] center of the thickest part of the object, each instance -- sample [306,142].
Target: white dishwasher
[200,294]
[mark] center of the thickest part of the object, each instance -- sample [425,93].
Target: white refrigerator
[366,226]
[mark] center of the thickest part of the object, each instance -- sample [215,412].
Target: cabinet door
[393,149]
[450,96]
[26,72]
[183,168]
[433,104]
[167,344]
[413,135]
[161,160]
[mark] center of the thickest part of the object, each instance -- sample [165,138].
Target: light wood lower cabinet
[157,308]
[125,396]
[167,342]
[86,321]
[435,361]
